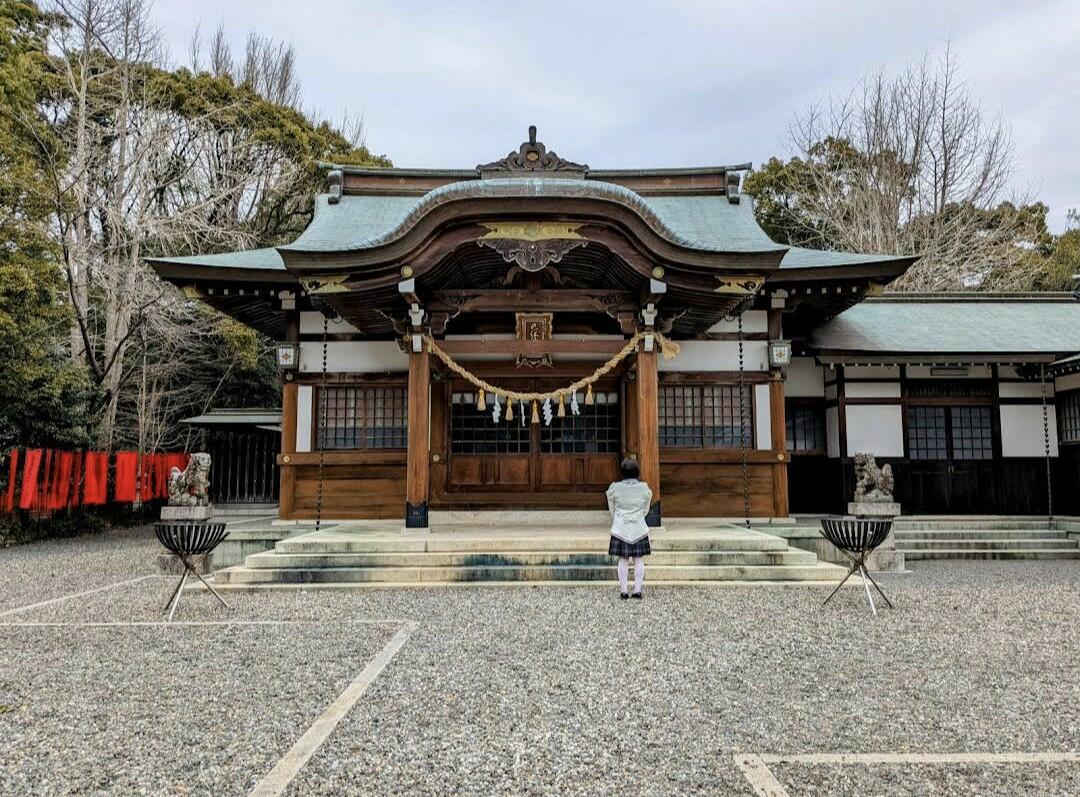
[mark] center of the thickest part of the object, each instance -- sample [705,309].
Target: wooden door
[503,461]
[581,452]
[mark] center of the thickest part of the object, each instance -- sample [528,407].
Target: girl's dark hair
[629,468]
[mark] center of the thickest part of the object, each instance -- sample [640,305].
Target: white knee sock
[639,574]
[622,569]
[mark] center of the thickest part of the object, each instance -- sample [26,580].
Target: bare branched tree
[911,164]
[268,67]
[141,174]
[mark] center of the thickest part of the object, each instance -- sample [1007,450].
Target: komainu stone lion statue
[872,484]
[189,487]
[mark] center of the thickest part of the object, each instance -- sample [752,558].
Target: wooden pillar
[778,423]
[648,429]
[287,490]
[416,479]
[289,404]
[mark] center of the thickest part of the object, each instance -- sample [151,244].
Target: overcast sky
[639,84]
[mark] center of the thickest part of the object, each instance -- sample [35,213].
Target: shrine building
[500,337]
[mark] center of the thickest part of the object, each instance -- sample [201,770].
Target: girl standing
[629,501]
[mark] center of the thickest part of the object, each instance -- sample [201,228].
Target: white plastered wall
[875,428]
[857,390]
[303,418]
[1009,390]
[717,355]
[762,418]
[1022,430]
[353,357]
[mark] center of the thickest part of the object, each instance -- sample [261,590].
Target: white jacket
[628,502]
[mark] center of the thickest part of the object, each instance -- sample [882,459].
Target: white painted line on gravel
[759,776]
[924,758]
[278,779]
[756,767]
[75,595]
[141,623]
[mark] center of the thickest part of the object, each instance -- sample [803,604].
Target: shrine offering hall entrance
[571,461]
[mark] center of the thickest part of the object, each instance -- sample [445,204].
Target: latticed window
[596,430]
[362,417]
[473,431]
[705,416]
[950,433]
[806,428]
[972,433]
[926,433]
[1069,416]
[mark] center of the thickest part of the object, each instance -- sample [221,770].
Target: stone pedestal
[874,509]
[885,557]
[187,512]
[169,564]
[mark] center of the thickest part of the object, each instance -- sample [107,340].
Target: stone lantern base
[885,557]
[187,512]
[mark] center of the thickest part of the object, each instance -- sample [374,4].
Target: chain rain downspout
[1046,446]
[321,441]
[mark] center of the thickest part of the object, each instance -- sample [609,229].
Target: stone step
[504,574]
[1014,553]
[990,523]
[981,545]
[438,543]
[512,518]
[277,560]
[982,534]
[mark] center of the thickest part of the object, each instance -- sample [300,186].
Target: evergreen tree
[43,393]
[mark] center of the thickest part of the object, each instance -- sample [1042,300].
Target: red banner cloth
[13,473]
[60,489]
[162,471]
[42,502]
[76,480]
[126,465]
[31,465]
[96,478]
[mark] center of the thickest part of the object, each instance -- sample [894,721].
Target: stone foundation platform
[375,552]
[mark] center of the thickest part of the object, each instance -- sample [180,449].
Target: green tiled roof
[249,417]
[709,223]
[705,222]
[797,257]
[936,325]
[250,258]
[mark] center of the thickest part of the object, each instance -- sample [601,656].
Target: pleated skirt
[626,550]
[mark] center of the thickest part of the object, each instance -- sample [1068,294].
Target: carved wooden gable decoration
[532,156]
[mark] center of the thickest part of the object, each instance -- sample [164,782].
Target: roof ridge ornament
[532,156]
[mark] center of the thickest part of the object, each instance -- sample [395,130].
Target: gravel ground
[155,710]
[43,570]
[563,691]
[921,780]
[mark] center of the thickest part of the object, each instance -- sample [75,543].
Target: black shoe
[636,595]
[623,595]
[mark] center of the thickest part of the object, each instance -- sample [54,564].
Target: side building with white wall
[972,399]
